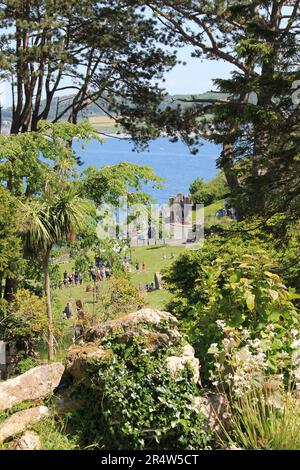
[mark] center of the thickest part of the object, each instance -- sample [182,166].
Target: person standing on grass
[144,266]
[103,273]
[137,266]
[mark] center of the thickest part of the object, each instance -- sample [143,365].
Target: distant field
[103,123]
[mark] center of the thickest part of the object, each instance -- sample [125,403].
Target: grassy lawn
[210,215]
[213,208]
[156,259]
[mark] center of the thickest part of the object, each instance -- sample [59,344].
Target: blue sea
[172,161]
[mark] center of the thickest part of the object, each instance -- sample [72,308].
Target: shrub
[23,322]
[121,298]
[207,193]
[265,360]
[26,364]
[131,401]
[243,290]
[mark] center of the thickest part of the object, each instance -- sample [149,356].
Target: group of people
[227,212]
[128,265]
[74,278]
[99,273]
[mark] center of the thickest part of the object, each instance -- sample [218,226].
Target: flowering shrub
[244,294]
[243,363]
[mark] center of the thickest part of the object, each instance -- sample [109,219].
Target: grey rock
[29,441]
[176,364]
[20,421]
[214,407]
[33,385]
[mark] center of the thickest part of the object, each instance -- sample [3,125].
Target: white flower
[246,334]
[255,343]
[270,327]
[226,343]
[295,344]
[221,324]
[295,333]
[296,359]
[213,349]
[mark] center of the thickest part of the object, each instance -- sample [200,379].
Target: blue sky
[196,76]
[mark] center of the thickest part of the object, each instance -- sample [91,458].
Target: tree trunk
[10,289]
[48,305]
[232,179]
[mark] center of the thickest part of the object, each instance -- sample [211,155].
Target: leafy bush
[208,193]
[131,401]
[243,290]
[26,364]
[121,298]
[264,360]
[23,322]
[82,263]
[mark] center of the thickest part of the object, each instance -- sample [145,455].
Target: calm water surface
[171,161]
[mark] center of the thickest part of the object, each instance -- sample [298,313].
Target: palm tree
[47,222]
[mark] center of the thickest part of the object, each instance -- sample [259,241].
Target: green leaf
[250,300]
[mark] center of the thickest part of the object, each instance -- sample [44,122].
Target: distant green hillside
[95,110]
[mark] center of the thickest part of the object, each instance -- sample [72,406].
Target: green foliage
[257,424]
[52,220]
[131,401]
[4,414]
[110,183]
[208,193]
[121,298]
[23,322]
[236,283]
[112,56]
[54,435]
[33,162]
[26,364]
[10,244]
[82,262]
[260,139]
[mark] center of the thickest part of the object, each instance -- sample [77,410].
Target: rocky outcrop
[29,441]
[21,420]
[78,356]
[160,329]
[214,407]
[146,316]
[33,385]
[176,364]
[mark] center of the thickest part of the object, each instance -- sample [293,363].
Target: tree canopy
[256,117]
[106,53]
